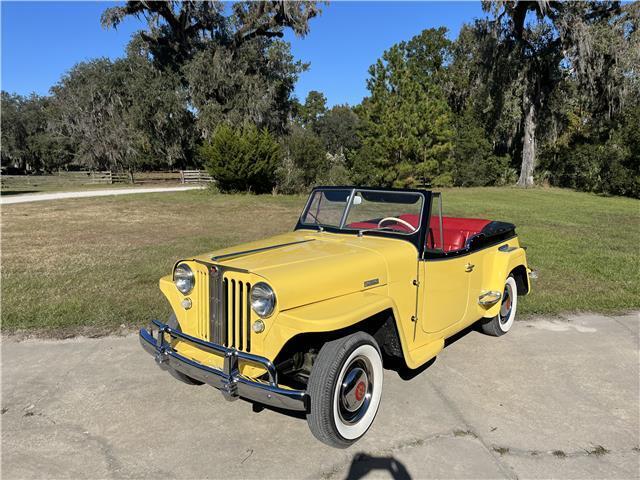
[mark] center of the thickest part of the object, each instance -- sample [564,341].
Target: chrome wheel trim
[359,428]
[356,388]
[507,304]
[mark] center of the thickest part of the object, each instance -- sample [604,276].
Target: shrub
[307,153]
[337,174]
[475,163]
[289,177]
[242,159]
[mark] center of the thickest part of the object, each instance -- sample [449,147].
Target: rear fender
[506,259]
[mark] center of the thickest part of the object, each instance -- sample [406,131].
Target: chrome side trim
[227,256]
[490,298]
[228,380]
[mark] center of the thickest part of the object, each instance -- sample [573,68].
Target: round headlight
[263,299]
[183,278]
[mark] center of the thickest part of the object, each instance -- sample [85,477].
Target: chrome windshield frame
[417,238]
[347,208]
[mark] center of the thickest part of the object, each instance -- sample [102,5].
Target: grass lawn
[92,265]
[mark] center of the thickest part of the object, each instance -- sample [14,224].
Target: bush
[290,177]
[306,151]
[593,168]
[242,159]
[475,163]
[337,174]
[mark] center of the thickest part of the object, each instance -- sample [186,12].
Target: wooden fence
[195,176]
[77,179]
[106,177]
[109,177]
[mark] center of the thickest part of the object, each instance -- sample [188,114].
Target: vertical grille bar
[228,308]
[240,315]
[217,314]
[234,314]
[247,305]
[201,305]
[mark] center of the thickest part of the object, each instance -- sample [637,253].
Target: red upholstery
[456,231]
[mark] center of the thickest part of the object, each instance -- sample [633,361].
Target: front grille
[230,310]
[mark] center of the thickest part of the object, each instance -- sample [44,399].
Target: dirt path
[40,197]
[553,398]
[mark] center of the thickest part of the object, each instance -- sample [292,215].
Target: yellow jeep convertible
[305,320]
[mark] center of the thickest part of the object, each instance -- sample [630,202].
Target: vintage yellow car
[306,320]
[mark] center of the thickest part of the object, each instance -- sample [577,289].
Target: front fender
[329,315]
[335,313]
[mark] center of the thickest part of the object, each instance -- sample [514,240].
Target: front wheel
[501,323]
[345,387]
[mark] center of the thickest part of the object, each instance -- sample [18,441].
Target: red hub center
[360,391]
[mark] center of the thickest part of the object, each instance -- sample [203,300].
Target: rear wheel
[345,387]
[501,323]
[173,323]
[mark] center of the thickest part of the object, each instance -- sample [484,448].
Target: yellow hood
[304,267]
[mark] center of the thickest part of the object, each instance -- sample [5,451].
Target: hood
[305,267]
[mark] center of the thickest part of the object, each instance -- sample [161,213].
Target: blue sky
[42,40]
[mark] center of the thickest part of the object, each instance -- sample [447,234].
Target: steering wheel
[411,228]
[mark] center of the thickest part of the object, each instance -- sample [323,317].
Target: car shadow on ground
[363,464]
[405,373]
[395,364]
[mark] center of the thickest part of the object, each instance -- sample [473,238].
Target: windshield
[364,210]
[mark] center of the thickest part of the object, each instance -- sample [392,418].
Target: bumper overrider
[228,380]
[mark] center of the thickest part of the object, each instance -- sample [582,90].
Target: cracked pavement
[553,398]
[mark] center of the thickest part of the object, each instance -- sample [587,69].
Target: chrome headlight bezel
[263,299]
[183,278]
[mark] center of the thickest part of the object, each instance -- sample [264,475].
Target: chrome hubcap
[507,304]
[355,390]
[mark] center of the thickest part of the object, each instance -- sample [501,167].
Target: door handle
[469,267]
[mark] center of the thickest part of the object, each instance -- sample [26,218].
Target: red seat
[456,230]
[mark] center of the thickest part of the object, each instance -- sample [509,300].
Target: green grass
[91,265]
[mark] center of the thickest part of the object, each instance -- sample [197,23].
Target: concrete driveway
[553,398]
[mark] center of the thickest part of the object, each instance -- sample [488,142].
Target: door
[444,292]
[444,282]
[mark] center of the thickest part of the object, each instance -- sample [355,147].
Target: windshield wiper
[314,217]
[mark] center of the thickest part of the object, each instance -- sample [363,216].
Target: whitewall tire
[503,321]
[345,388]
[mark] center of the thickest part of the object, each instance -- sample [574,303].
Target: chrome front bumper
[228,380]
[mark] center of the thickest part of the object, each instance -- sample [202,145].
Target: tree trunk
[529,146]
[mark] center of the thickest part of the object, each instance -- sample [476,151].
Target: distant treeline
[538,92]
